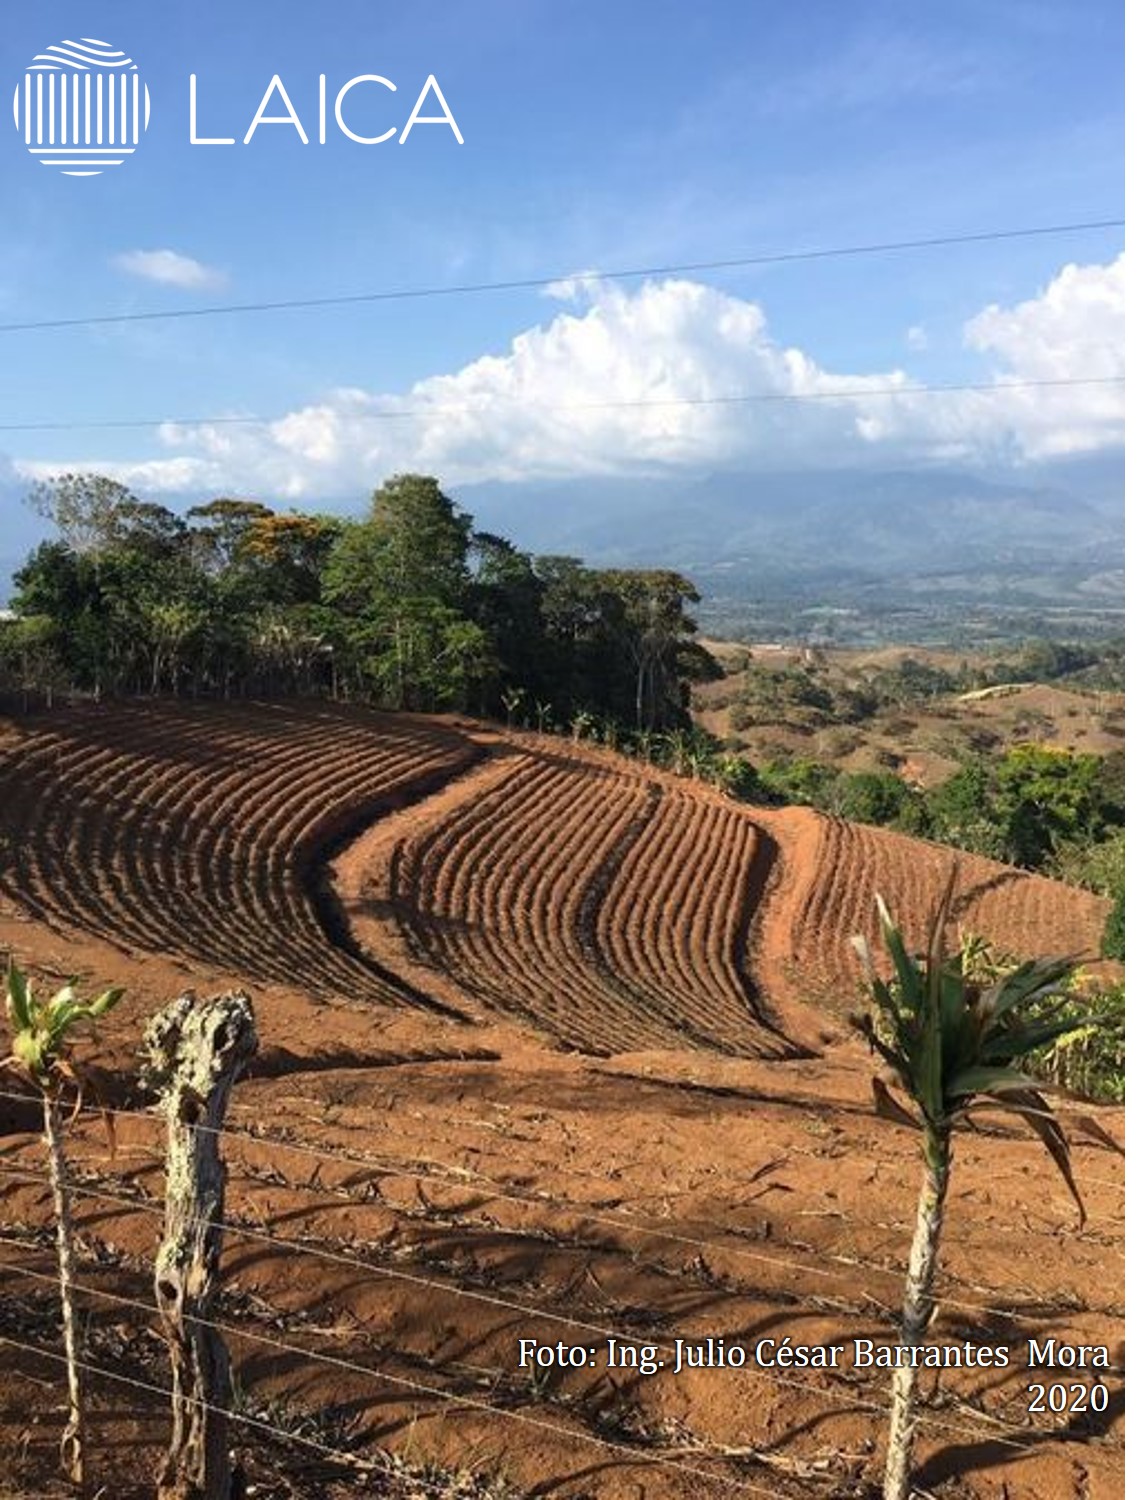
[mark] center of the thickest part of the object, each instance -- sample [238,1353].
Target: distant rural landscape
[545,900]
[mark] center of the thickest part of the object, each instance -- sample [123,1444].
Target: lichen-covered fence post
[196,1050]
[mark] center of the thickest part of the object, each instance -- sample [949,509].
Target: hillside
[925,731]
[494,872]
[553,1043]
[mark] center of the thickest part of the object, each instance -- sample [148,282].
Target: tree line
[409,607]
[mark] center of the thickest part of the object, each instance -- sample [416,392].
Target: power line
[319,1252]
[428,413]
[335,1454]
[337,1257]
[356,1461]
[529,283]
[256,1133]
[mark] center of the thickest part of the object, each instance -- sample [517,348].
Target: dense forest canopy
[409,608]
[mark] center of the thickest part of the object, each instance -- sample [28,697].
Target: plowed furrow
[198,831]
[437,874]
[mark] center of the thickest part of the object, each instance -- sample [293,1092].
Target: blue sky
[596,136]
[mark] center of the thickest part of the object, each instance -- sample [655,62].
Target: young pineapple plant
[954,1043]
[42,1036]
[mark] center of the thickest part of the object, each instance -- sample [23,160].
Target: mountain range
[1051,532]
[808,532]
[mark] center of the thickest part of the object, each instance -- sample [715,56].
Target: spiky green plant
[583,725]
[544,712]
[512,699]
[43,1033]
[953,1043]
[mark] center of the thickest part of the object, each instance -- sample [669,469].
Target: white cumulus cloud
[634,382]
[675,374]
[1072,331]
[170,268]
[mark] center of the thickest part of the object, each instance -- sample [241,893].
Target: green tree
[281,558]
[111,586]
[221,531]
[504,601]
[575,657]
[170,625]
[144,528]
[651,627]
[65,587]
[423,538]
[84,508]
[962,812]
[30,657]
[1046,796]
[397,584]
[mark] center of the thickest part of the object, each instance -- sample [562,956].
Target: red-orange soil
[553,1046]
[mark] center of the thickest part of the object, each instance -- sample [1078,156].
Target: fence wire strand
[780,1379]
[466,1178]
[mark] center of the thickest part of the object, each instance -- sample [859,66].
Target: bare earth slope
[620,909]
[551,1047]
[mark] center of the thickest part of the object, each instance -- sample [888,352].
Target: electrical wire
[419,1387]
[429,412]
[786,1263]
[530,283]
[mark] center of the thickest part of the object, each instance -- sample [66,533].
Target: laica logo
[82,107]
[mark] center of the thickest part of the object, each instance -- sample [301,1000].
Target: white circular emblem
[81,107]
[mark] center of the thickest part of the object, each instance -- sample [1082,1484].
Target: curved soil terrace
[1018,913]
[610,907]
[199,831]
[604,907]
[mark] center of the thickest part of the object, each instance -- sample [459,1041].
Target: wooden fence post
[196,1050]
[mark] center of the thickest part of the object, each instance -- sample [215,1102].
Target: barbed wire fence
[130,1198]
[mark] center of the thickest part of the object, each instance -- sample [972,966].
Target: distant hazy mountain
[739,532]
[1045,532]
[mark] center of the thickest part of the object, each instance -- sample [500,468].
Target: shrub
[869,796]
[1113,939]
[1089,1059]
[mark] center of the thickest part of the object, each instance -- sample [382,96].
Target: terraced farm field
[200,833]
[552,1047]
[606,908]
[1019,913]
